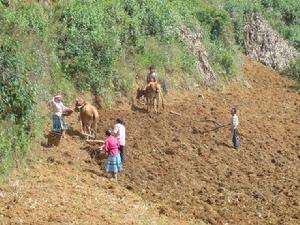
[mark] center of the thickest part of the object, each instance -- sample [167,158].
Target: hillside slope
[176,172]
[105,48]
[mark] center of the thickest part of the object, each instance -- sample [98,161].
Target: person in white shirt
[58,109]
[234,125]
[119,133]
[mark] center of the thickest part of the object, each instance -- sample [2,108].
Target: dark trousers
[235,139]
[122,152]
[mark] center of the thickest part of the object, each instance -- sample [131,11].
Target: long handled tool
[95,141]
[217,128]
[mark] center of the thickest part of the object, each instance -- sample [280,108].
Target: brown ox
[88,116]
[152,94]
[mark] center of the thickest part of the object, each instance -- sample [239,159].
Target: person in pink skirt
[111,147]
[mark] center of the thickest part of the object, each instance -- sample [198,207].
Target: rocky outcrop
[194,42]
[265,45]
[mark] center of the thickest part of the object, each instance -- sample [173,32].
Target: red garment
[111,145]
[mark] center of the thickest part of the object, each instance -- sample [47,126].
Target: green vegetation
[293,71]
[94,34]
[283,15]
[28,67]
[105,47]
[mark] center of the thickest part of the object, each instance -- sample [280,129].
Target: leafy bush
[90,45]
[225,58]
[126,14]
[17,104]
[156,19]
[217,22]
[16,92]
[174,56]
[33,18]
[26,61]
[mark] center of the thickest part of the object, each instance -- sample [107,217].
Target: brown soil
[177,171]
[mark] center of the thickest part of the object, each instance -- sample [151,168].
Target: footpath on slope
[176,171]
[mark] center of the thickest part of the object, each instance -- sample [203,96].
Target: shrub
[225,58]
[17,105]
[16,92]
[156,19]
[217,22]
[33,18]
[293,71]
[26,61]
[90,46]
[129,28]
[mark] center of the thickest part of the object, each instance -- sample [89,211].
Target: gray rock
[265,45]
[193,40]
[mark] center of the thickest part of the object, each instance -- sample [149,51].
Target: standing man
[119,133]
[152,75]
[234,124]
